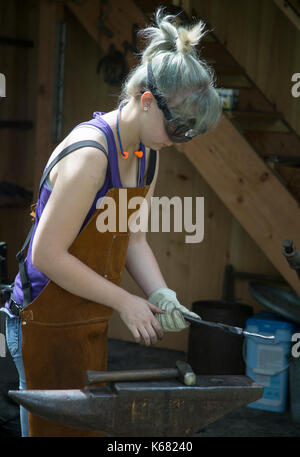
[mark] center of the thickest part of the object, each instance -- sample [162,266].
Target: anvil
[164,408]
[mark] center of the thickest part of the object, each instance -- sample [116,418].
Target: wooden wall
[264,42]
[18,19]
[195,271]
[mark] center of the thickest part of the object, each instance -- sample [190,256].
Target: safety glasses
[176,130]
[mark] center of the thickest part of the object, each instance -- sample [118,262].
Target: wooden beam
[119,17]
[49,13]
[295,4]
[289,11]
[258,121]
[88,14]
[184,4]
[233,81]
[270,143]
[219,53]
[249,189]
[226,69]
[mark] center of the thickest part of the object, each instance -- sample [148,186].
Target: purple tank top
[37,278]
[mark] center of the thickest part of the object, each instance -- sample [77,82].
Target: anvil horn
[67,407]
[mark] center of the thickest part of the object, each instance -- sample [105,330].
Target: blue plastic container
[294,377]
[267,361]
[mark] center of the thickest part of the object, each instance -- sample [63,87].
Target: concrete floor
[122,355]
[248,422]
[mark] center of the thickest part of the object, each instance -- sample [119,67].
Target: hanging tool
[291,255]
[227,328]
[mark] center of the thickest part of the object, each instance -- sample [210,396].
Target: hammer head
[185,373]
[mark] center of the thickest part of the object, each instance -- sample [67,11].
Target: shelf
[7,41]
[13,195]
[16,124]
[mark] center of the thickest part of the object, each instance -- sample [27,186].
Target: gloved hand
[172,320]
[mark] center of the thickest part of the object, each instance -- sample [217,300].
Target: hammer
[183,372]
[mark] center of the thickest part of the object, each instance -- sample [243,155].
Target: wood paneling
[264,42]
[248,188]
[85,91]
[17,20]
[49,13]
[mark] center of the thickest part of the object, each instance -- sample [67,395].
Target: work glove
[172,320]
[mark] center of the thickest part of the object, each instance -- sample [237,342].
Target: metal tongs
[227,328]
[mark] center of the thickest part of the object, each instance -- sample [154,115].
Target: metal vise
[291,255]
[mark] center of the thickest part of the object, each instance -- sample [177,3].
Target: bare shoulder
[83,160]
[90,132]
[88,160]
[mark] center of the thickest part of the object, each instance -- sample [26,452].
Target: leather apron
[63,335]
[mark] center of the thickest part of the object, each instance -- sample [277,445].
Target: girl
[69,283]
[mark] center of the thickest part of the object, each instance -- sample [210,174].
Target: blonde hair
[177,70]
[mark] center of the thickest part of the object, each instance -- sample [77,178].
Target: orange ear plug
[32,214]
[139,153]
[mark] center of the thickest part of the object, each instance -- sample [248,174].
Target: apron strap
[26,284]
[151,166]
[66,151]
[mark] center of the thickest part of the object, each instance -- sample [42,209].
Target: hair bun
[183,44]
[166,35]
[188,38]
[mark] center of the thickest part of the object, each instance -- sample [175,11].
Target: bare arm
[80,176]
[143,267]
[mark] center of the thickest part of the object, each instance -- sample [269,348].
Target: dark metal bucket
[212,351]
